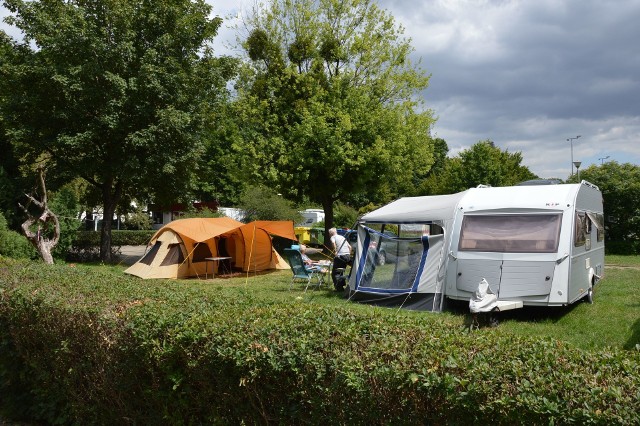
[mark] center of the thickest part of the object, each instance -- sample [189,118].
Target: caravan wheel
[589,297]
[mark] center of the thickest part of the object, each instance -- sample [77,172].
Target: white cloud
[525,74]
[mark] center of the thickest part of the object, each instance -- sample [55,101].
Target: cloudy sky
[527,74]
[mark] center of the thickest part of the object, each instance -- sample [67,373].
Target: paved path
[131,254]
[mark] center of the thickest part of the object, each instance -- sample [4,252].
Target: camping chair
[300,270]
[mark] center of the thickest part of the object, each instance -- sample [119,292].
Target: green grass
[619,260]
[612,321]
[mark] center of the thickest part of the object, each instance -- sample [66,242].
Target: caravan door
[515,253]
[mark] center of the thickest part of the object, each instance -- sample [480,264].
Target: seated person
[308,263]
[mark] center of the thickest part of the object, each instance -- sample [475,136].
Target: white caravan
[537,245]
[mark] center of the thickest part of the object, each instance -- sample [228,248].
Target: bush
[344,216]
[139,221]
[13,244]
[261,203]
[86,246]
[83,345]
[622,247]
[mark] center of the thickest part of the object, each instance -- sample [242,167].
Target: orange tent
[180,249]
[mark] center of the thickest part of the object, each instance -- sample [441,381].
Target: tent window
[151,254]
[201,252]
[391,263]
[526,233]
[174,255]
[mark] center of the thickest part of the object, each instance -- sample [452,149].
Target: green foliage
[620,186]
[344,216]
[86,244]
[87,346]
[260,203]
[138,220]
[116,92]
[204,212]
[622,247]
[328,107]
[65,205]
[482,164]
[13,244]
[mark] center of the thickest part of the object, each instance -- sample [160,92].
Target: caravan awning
[416,209]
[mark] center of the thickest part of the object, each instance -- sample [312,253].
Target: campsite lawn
[612,321]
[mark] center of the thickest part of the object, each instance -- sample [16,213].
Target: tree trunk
[40,239]
[110,201]
[327,206]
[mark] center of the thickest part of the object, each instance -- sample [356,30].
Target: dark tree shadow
[634,340]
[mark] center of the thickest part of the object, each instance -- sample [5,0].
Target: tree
[482,164]
[329,103]
[620,186]
[115,92]
[260,203]
[40,216]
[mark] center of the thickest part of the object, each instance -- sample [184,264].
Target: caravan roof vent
[540,182]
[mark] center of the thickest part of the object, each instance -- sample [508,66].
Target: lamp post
[602,160]
[571,140]
[577,164]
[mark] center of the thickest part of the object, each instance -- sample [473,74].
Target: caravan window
[600,225]
[522,233]
[581,229]
[597,220]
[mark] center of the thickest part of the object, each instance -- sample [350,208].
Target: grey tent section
[426,209]
[415,276]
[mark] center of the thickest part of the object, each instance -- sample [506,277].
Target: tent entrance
[392,263]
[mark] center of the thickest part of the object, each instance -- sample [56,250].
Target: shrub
[138,220]
[622,247]
[13,244]
[261,203]
[86,246]
[344,216]
[83,345]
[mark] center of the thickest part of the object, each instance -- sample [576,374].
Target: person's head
[303,248]
[333,231]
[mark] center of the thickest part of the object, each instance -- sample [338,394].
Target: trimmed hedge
[86,245]
[82,345]
[118,238]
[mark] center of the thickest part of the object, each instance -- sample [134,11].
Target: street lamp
[602,160]
[577,164]
[571,140]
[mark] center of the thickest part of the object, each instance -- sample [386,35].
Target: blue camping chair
[300,270]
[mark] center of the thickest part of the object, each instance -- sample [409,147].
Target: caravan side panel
[524,278]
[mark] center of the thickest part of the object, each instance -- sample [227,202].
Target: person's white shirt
[340,244]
